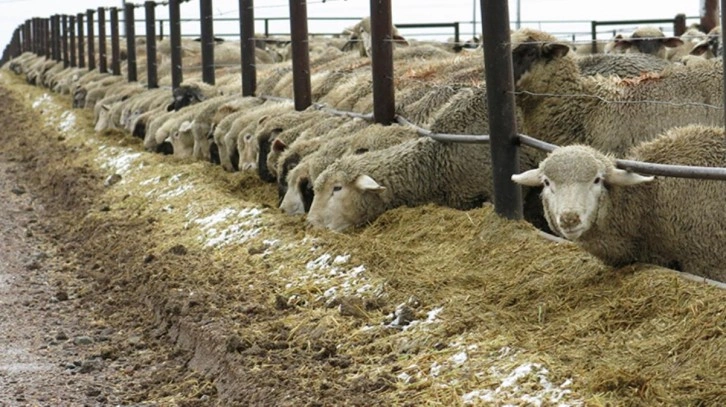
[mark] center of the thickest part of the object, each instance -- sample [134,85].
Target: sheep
[648,40]
[322,137]
[245,123]
[690,38]
[622,65]
[204,123]
[299,193]
[711,46]
[356,189]
[421,111]
[254,151]
[360,37]
[623,217]
[608,113]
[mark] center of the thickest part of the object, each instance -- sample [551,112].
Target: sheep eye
[546,182]
[597,180]
[337,188]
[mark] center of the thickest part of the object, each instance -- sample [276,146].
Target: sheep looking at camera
[623,217]
[648,40]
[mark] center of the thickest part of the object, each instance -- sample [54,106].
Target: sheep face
[248,150]
[298,180]
[575,183]
[342,202]
[530,49]
[648,40]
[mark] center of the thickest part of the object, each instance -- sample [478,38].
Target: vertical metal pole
[81,44]
[247,41]
[723,56]
[34,36]
[384,100]
[130,32]
[47,38]
[115,49]
[102,60]
[151,78]
[72,34]
[207,30]
[709,15]
[57,53]
[302,88]
[679,25]
[91,51]
[64,40]
[175,38]
[500,97]
[457,35]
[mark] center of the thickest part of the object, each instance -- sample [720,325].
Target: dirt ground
[138,279]
[66,339]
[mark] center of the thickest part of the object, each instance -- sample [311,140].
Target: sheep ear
[185,126]
[624,178]
[555,50]
[622,43]
[366,183]
[262,119]
[278,145]
[672,42]
[699,49]
[529,178]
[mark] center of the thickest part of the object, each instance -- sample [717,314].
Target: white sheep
[356,189]
[623,217]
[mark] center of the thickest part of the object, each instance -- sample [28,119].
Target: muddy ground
[175,283]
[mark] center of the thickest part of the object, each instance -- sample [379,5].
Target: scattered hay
[425,306]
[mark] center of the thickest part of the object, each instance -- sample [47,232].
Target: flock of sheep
[342,171]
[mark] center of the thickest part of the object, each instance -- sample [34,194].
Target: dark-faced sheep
[622,217]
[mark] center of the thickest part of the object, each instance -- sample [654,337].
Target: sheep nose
[569,220]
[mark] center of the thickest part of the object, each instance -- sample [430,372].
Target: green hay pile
[501,315]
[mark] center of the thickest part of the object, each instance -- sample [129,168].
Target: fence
[62,38]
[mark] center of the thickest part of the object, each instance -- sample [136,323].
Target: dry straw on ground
[426,306]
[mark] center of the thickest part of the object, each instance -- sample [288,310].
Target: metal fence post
[151,78]
[115,49]
[500,97]
[81,44]
[130,30]
[47,38]
[384,105]
[72,35]
[57,52]
[177,75]
[679,25]
[247,43]
[207,30]
[302,88]
[102,61]
[723,30]
[64,40]
[91,40]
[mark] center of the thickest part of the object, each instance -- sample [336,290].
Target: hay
[426,306]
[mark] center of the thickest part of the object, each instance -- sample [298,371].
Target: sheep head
[575,181]
[532,47]
[344,198]
[648,40]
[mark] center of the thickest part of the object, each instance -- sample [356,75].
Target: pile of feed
[426,306]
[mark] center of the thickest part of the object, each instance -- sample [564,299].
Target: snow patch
[68,120]
[41,100]
[246,226]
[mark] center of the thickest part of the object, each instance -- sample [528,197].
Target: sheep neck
[558,120]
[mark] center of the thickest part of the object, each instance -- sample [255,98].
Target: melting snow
[68,120]
[40,100]
[237,232]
